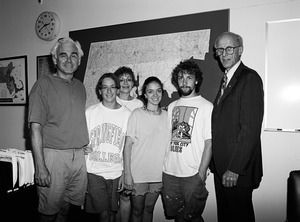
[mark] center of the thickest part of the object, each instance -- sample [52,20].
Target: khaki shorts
[68,180]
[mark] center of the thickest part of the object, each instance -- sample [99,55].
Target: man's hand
[42,177]
[229,179]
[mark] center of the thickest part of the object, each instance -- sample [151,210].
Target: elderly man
[59,134]
[236,127]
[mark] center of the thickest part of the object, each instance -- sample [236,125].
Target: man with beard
[59,134]
[189,154]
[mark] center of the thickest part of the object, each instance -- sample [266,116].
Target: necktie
[224,83]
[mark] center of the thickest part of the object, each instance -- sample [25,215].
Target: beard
[185,91]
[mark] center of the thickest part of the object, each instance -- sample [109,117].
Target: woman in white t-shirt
[147,139]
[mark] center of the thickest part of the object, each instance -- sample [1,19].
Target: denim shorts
[184,196]
[143,188]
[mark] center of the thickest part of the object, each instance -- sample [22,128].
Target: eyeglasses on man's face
[229,50]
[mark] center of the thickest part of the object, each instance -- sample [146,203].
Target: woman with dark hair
[146,142]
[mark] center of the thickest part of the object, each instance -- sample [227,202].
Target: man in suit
[236,128]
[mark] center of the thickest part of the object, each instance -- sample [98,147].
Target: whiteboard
[282,83]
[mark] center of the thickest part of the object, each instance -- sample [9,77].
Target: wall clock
[47,25]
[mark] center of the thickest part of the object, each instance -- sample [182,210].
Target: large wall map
[147,56]
[153,47]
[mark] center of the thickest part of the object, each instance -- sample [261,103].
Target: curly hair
[125,70]
[190,67]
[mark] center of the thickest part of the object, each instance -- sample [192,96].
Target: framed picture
[44,65]
[13,81]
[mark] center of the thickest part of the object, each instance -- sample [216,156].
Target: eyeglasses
[229,50]
[105,88]
[125,80]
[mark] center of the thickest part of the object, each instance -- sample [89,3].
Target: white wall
[248,18]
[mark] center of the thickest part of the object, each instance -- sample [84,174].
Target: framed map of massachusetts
[13,81]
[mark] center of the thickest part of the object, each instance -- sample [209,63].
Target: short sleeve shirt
[151,139]
[59,106]
[190,120]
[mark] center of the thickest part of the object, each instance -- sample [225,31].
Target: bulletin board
[282,99]
[216,21]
